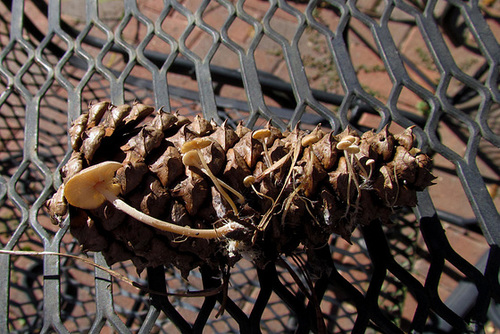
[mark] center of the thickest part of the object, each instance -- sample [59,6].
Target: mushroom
[193,157]
[91,187]
[263,135]
[249,181]
[196,144]
[370,162]
[349,146]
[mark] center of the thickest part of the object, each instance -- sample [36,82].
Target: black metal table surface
[50,71]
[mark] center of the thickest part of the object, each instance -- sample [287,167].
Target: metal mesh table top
[255,61]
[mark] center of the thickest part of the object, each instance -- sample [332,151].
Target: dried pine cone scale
[225,192]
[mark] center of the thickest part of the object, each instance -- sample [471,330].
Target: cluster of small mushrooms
[160,189]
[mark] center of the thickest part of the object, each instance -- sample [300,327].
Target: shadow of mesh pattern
[388,279]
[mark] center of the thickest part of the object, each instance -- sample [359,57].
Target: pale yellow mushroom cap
[353,149]
[349,138]
[261,134]
[249,180]
[191,158]
[80,190]
[343,144]
[196,144]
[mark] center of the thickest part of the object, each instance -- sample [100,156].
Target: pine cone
[282,189]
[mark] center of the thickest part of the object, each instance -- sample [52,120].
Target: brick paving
[371,74]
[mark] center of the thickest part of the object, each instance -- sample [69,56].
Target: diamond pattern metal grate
[50,70]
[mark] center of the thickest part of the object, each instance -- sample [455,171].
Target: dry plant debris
[185,193]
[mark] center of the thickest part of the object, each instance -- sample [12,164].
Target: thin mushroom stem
[352,173]
[370,163]
[207,171]
[366,179]
[249,182]
[166,226]
[350,150]
[267,216]
[241,199]
[356,182]
[350,179]
[262,135]
[360,165]
[194,157]
[218,183]
[274,167]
